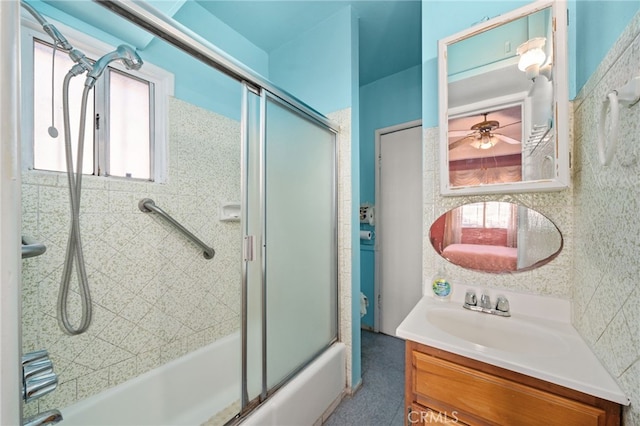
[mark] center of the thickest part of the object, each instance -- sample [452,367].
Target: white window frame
[483,225]
[162,80]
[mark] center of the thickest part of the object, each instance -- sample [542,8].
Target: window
[125,132]
[486,215]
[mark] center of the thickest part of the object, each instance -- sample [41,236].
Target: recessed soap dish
[230,212]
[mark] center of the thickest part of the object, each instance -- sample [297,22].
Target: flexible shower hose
[74,243]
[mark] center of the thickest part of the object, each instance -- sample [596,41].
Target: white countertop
[570,364]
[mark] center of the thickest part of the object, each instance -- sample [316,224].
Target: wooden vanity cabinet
[445,388]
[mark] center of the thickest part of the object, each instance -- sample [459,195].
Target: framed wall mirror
[503,99]
[496,237]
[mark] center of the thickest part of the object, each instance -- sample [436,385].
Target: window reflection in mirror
[496,237]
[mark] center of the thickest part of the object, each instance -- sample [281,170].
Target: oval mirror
[496,237]
[503,104]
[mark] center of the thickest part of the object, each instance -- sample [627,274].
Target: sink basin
[505,334]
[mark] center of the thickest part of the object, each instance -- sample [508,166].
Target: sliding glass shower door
[300,237]
[290,242]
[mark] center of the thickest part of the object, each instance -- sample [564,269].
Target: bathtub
[186,391]
[192,389]
[310,397]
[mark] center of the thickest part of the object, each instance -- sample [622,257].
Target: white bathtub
[310,397]
[185,391]
[192,389]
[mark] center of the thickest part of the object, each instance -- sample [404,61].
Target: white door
[399,224]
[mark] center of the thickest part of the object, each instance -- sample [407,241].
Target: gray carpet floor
[380,399]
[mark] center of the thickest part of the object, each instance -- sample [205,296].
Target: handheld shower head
[124,53]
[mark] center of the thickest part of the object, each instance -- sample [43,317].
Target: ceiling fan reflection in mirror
[483,135]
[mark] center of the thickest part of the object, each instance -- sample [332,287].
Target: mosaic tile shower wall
[606,289]
[345,299]
[155,297]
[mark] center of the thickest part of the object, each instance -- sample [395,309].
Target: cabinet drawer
[482,398]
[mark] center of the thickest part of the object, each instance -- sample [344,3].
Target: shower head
[124,53]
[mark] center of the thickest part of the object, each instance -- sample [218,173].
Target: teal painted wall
[199,20]
[317,66]
[386,102]
[598,26]
[367,277]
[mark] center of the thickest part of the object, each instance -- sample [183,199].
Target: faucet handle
[470,298]
[485,301]
[34,356]
[502,304]
[39,386]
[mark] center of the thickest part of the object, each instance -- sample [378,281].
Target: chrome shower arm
[50,29]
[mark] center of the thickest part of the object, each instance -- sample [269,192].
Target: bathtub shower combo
[180,331]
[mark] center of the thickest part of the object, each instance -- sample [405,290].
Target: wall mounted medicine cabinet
[503,103]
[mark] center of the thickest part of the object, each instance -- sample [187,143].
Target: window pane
[498,215]
[48,152]
[473,215]
[129,145]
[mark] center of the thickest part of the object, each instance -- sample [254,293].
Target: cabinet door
[419,415]
[481,398]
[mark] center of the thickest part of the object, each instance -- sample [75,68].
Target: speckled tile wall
[553,279]
[606,287]
[343,119]
[155,297]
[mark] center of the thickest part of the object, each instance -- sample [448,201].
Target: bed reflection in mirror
[496,237]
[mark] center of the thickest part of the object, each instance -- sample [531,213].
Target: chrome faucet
[501,308]
[485,301]
[502,304]
[38,379]
[50,417]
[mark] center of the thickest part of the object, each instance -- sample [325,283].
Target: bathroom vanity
[465,367]
[443,387]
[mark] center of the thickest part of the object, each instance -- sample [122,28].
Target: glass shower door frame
[254,248]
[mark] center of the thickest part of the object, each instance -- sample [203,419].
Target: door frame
[377,256]
[10,216]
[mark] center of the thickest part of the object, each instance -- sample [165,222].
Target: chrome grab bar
[147,205]
[31,248]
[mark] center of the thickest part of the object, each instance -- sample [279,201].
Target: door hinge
[97,121]
[248,248]
[379,301]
